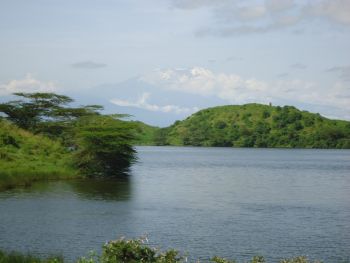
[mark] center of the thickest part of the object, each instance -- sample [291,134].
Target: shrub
[133,251]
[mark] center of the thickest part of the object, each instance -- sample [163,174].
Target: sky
[162,60]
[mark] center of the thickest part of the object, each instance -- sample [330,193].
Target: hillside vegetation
[25,157]
[145,134]
[43,137]
[256,125]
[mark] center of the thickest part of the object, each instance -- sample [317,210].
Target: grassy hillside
[145,134]
[256,125]
[25,157]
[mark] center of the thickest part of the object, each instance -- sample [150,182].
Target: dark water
[207,201]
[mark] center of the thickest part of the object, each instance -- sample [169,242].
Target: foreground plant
[131,251]
[137,251]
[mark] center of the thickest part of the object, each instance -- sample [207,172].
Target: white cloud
[201,81]
[238,90]
[28,84]
[143,104]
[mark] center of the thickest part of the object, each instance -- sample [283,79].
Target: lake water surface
[207,201]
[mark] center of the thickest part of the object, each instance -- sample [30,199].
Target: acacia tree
[104,145]
[45,112]
[32,108]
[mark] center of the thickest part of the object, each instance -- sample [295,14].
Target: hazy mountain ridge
[254,125]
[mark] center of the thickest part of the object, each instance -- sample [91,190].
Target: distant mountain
[144,101]
[255,125]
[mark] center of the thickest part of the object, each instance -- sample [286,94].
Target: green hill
[145,134]
[25,157]
[256,125]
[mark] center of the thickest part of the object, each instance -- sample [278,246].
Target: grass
[25,158]
[145,134]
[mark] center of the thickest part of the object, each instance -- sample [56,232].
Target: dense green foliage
[103,146]
[145,134]
[131,251]
[42,137]
[46,113]
[256,125]
[25,157]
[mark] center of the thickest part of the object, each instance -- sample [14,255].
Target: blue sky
[161,60]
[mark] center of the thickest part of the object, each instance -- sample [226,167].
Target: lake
[235,203]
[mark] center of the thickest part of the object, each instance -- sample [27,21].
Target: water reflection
[35,189]
[116,189]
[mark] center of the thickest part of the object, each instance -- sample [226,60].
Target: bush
[133,251]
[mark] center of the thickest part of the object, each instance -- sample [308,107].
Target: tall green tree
[44,112]
[33,108]
[104,145]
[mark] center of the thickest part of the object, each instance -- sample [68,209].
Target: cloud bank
[28,84]
[142,103]
[238,90]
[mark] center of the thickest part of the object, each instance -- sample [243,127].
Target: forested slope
[256,125]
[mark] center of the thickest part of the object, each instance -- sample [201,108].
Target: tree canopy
[256,125]
[44,112]
[104,145]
